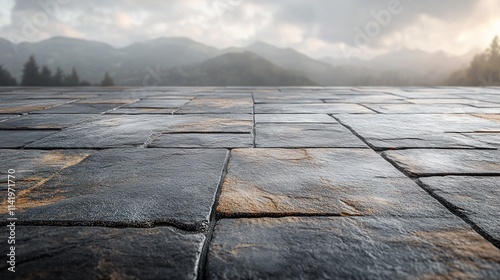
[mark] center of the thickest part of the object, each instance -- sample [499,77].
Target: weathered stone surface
[6,117]
[291,118]
[477,198]
[305,136]
[78,108]
[203,140]
[223,123]
[44,121]
[366,99]
[320,108]
[26,106]
[350,248]
[431,109]
[167,186]
[21,138]
[106,131]
[160,104]
[419,130]
[492,139]
[103,253]
[446,162]
[355,182]
[142,111]
[218,106]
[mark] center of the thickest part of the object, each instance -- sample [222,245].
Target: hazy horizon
[339,29]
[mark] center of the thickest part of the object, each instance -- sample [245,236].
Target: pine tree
[57,79]
[46,77]
[6,79]
[107,81]
[31,77]
[72,80]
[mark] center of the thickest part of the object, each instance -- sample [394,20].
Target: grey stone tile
[160,104]
[350,182]
[492,139]
[21,138]
[305,136]
[431,109]
[211,123]
[104,253]
[218,106]
[446,162]
[141,111]
[203,140]
[320,108]
[26,106]
[350,248]
[79,109]
[44,121]
[419,130]
[477,198]
[176,187]
[291,118]
[7,117]
[367,99]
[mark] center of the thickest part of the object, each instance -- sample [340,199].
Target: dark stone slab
[21,138]
[142,111]
[366,99]
[350,248]
[106,132]
[446,162]
[131,186]
[431,109]
[297,118]
[103,253]
[419,130]
[218,106]
[305,136]
[354,182]
[320,108]
[111,131]
[44,121]
[211,123]
[75,108]
[477,198]
[26,106]
[203,140]
[7,117]
[160,104]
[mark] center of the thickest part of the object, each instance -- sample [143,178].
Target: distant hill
[133,64]
[234,69]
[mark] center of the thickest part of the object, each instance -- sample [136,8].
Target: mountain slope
[234,69]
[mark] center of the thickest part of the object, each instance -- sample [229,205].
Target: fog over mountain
[182,61]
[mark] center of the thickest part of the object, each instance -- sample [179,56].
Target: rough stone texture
[350,248]
[122,182]
[419,130]
[44,121]
[21,138]
[306,108]
[167,186]
[305,136]
[297,118]
[477,198]
[104,253]
[203,140]
[79,109]
[446,162]
[354,182]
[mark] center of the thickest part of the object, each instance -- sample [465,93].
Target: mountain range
[182,61]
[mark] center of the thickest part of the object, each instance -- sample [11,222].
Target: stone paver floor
[251,183]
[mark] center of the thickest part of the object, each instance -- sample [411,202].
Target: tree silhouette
[45,77]
[31,77]
[107,81]
[72,80]
[57,79]
[6,79]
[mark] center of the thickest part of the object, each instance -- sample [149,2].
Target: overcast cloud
[316,27]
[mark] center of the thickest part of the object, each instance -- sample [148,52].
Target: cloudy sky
[336,28]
